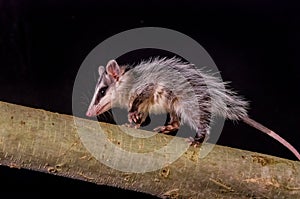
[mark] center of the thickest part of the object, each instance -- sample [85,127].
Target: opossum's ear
[113,69]
[101,70]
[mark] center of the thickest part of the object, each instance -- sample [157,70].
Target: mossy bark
[49,142]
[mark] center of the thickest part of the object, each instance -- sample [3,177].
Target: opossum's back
[193,86]
[172,73]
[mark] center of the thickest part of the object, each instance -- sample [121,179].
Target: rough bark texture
[49,142]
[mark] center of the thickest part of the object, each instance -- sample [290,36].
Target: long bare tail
[271,133]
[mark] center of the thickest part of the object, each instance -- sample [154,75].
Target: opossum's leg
[172,126]
[200,137]
[139,106]
[202,131]
[170,102]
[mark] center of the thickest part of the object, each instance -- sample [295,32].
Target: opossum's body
[169,85]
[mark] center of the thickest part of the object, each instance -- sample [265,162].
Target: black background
[255,46]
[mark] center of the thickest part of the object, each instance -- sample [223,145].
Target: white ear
[101,70]
[113,69]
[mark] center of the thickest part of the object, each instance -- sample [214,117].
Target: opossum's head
[105,87]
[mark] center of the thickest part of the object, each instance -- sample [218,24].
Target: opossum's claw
[135,117]
[166,129]
[195,142]
[159,129]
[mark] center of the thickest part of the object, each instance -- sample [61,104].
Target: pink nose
[89,113]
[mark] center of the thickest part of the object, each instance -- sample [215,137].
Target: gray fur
[159,85]
[194,89]
[198,94]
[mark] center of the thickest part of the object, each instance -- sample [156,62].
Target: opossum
[170,85]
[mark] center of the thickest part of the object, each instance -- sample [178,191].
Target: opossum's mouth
[95,110]
[102,109]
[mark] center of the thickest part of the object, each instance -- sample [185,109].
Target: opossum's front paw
[166,129]
[135,117]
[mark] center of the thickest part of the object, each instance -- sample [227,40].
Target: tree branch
[49,142]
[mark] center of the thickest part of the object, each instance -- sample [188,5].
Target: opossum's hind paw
[195,142]
[166,129]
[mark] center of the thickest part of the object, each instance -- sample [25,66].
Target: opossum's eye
[100,94]
[102,91]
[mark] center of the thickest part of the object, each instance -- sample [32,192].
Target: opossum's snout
[90,113]
[98,109]
[94,111]
[100,103]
